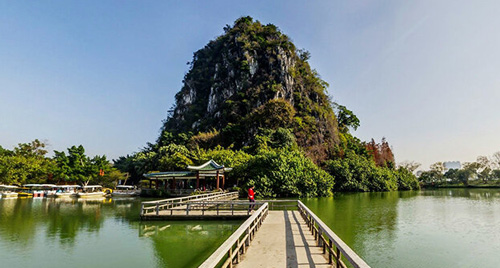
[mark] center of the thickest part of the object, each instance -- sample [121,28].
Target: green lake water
[431,228]
[70,233]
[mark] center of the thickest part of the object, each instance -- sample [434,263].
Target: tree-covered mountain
[251,101]
[254,77]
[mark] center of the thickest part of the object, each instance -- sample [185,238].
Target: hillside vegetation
[251,101]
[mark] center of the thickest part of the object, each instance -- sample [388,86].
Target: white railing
[159,205]
[331,243]
[217,208]
[230,251]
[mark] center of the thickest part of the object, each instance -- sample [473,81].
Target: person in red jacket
[251,198]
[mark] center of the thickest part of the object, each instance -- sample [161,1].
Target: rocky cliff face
[250,71]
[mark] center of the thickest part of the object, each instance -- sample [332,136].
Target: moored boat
[91,191]
[24,192]
[8,191]
[39,190]
[125,191]
[66,191]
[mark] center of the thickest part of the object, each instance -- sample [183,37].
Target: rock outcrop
[251,68]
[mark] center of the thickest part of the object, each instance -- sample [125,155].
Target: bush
[358,173]
[284,173]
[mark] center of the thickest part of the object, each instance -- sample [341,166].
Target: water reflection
[431,228]
[85,232]
[468,193]
[365,221]
[185,244]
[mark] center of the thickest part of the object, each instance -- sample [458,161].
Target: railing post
[157,209]
[187,209]
[248,237]
[330,261]
[338,257]
[320,233]
[142,209]
[238,252]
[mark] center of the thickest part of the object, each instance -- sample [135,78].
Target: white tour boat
[39,190]
[8,191]
[66,190]
[91,191]
[125,191]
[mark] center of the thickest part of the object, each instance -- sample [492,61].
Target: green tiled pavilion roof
[210,165]
[171,174]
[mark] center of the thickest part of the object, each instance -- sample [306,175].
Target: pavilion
[181,179]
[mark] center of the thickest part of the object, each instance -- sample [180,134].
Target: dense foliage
[28,163]
[285,172]
[485,171]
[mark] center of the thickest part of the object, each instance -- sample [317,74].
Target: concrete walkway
[284,240]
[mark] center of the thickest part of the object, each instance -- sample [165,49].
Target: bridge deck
[200,207]
[179,213]
[284,240]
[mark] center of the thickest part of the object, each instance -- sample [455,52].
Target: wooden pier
[292,237]
[218,205]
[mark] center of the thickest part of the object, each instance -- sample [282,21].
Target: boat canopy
[125,186]
[92,186]
[39,185]
[8,186]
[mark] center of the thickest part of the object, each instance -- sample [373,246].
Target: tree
[430,177]
[452,175]
[78,168]
[173,157]
[283,173]
[381,153]
[410,165]
[496,159]
[345,118]
[437,167]
[484,168]
[25,164]
[463,175]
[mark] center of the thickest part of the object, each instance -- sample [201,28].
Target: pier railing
[331,243]
[159,205]
[231,250]
[214,208]
[280,204]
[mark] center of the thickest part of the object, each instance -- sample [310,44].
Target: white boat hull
[65,195]
[125,194]
[9,195]
[91,195]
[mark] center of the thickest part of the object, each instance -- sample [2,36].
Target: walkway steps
[284,240]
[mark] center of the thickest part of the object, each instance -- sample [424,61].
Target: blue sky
[423,74]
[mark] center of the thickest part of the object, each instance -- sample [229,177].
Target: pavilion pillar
[173,183]
[150,184]
[197,179]
[156,185]
[165,184]
[223,182]
[217,180]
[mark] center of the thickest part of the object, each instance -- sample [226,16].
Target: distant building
[451,165]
